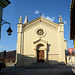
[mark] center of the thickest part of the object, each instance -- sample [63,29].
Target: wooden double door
[40,55]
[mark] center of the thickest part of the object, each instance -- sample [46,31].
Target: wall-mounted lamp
[9,30]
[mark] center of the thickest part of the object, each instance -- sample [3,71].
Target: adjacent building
[72,22]
[40,40]
[3,4]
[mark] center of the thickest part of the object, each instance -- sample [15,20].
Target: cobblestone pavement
[57,70]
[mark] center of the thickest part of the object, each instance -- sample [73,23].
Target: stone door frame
[44,43]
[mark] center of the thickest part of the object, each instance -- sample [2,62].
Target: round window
[40,32]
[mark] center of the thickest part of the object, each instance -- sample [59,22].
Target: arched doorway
[40,53]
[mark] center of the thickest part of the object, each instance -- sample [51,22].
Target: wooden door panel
[40,55]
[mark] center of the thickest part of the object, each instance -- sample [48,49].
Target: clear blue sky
[49,8]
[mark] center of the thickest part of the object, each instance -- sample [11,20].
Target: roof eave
[71,19]
[4,3]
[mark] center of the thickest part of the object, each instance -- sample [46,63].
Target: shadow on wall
[23,60]
[48,49]
[31,61]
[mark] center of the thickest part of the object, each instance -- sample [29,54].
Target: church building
[40,40]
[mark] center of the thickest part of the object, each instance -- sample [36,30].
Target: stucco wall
[53,41]
[30,36]
[51,37]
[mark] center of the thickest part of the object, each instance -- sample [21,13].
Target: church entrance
[40,55]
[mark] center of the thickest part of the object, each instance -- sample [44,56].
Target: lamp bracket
[4,22]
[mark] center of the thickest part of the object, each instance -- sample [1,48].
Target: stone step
[40,65]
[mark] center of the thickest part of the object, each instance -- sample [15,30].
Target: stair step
[40,65]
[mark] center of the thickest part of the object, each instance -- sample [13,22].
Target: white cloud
[47,17]
[65,22]
[43,15]
[37,12]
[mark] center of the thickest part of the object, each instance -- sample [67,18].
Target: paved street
[57,70]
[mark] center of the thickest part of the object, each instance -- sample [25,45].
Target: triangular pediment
[40,19]
[39,40]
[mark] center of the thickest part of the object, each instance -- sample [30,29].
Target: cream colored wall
[51,37]
[65,41]
[54,37]
[61,47]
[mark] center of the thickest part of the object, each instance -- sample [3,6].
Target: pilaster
[61,42]
[19,42]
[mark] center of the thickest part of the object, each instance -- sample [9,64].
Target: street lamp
[9,30]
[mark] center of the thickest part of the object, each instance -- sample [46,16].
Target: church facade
[40,40]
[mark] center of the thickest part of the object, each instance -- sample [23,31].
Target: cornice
[41,19]
[65,40]
[61,23]
[39,41]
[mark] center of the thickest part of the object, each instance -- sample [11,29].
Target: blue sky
[50,10]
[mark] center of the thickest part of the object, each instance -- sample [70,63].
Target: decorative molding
[29,55]
[44,30]
[41,18]
[52,25]
[61,23]
[40,40]
[53,54]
